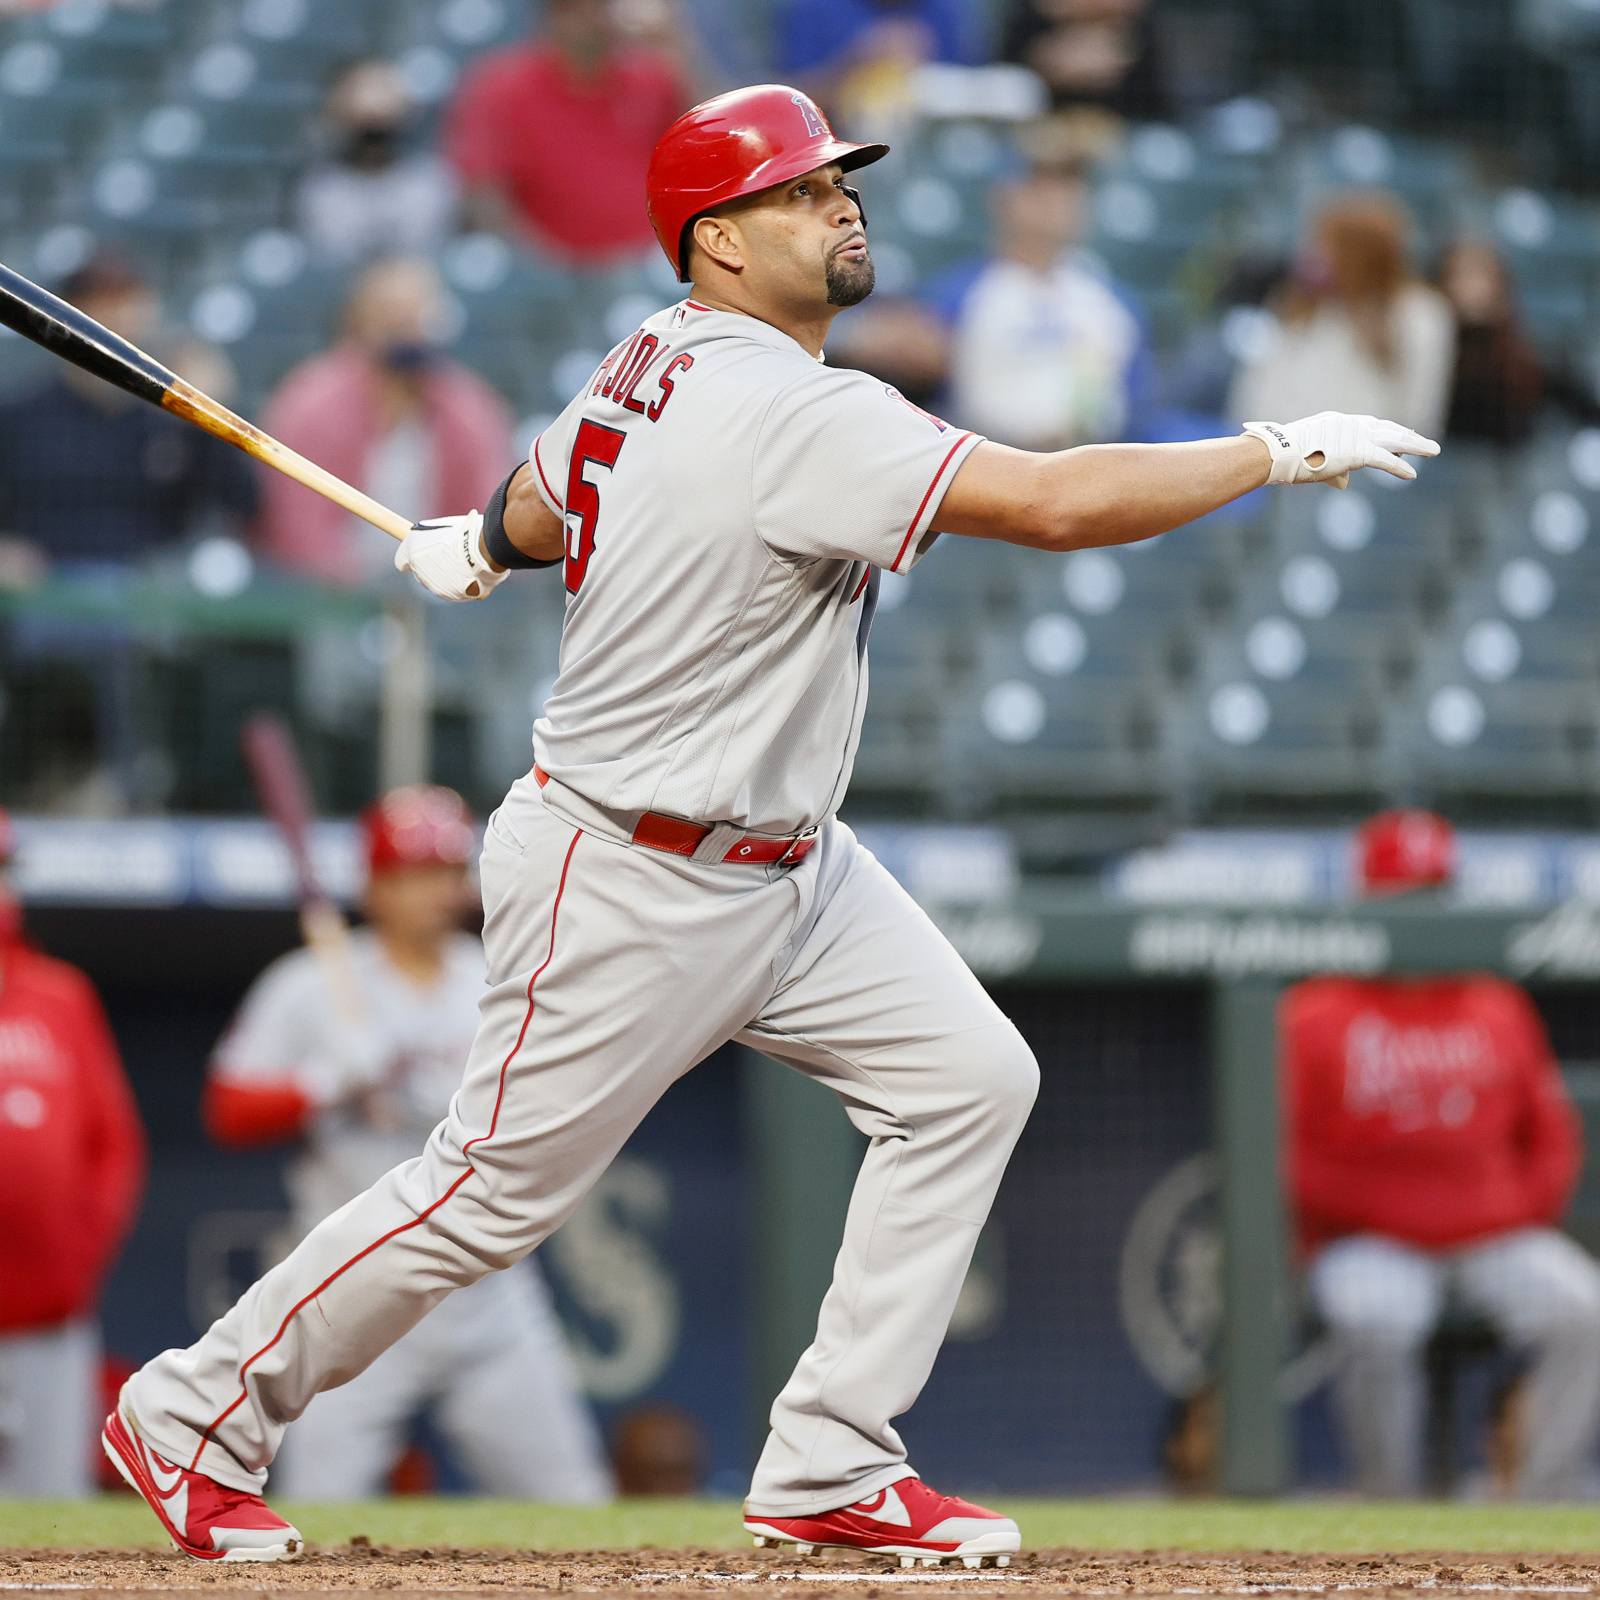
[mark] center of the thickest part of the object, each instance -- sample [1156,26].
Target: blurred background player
[1433,1152]
[491,1365]
[72,1165]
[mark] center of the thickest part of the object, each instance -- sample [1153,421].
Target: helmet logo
[815,126]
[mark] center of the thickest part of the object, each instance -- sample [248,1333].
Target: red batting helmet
[734,145]
[419,825]
[1405,849]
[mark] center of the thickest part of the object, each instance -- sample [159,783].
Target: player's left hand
[446,557]
[1328,447]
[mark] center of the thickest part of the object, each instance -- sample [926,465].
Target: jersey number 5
[600,446]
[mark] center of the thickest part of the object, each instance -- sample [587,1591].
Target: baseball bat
[65,331]
[280,780]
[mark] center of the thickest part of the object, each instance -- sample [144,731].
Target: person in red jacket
[1433,1150]
[551,138]
[72,1163]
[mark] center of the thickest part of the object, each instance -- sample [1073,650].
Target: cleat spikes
[804,1549]
[908,1561]
[762,1541]
[1002,1561]
[972,1561]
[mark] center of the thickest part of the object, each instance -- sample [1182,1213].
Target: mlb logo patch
[893,393]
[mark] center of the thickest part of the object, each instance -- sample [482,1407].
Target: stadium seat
[1454,740]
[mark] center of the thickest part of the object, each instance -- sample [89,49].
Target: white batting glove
[1328,447]
[446,557]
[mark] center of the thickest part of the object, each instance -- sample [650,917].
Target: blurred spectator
[856,56]
[361,1059]
[1432,1153]
[72,1162]
[372,196]
[1198,376]
[88,474]
[91,481]
[1091,52]
[1358,331]
[658,1449]
[1045,353]
[552,138]
[1501,382]
[897,340]
[386,410]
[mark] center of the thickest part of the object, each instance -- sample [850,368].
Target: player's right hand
[446,557]
[1328,447]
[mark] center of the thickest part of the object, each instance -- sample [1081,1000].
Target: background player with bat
[672,873]
[356,1043]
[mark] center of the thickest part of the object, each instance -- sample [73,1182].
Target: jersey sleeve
[285,1034]
[551,450]
[544,456]
[846,467]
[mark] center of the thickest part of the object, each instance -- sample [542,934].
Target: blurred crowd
[543,144]
[1032,341]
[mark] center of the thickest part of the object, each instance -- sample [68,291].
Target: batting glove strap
[1328,447]
[446,557]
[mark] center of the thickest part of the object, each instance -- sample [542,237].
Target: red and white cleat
[909,1520]
[203,1517]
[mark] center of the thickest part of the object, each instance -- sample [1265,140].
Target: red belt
[679,838]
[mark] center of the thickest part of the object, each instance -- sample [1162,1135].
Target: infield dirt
[361,1569]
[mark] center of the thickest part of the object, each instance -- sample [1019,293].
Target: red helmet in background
[734,145]
[422,824]
[1405,849]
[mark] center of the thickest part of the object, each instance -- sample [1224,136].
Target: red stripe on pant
[494,1121]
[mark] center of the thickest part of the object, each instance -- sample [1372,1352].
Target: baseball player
[1432,1150]
[366,1094]
[671,874]
[72,1166]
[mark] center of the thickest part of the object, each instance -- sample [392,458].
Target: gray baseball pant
[1382,1300]
[493,1366]
[49,1405]
[613,970]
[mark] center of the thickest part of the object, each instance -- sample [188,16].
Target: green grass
[1122,1524]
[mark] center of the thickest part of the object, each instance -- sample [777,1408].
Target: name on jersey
[28,1049]
[622,371]
[597,446]
[1418,1076]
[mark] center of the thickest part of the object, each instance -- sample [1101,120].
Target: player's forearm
[1097,494]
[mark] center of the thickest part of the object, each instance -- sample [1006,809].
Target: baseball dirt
[360,1568]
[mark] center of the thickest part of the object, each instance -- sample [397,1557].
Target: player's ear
[719,238]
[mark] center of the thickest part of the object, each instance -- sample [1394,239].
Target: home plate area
[362,1568]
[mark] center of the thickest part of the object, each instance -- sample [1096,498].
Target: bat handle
[327,936]
[184,400]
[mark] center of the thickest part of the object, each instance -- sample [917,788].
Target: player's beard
[850,282]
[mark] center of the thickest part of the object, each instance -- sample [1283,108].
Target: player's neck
[807,325]
[419,959]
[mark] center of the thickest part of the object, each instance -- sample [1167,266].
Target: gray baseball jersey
[726,497]
[288,1028]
